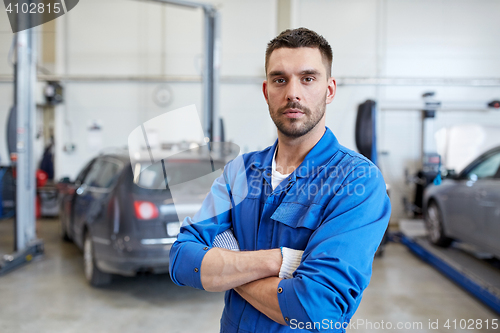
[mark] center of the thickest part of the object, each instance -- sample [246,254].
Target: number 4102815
[33,8]
[471,324]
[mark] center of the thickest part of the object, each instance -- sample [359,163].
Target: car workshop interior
[93,93]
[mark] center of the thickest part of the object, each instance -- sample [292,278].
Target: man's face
[297,89]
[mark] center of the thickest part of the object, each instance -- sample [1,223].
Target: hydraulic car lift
[12,261]
[27,246]
[480,278]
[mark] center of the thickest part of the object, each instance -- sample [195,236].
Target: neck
[292,151]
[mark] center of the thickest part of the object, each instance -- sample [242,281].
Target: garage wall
[448,39]
[406,38]
[394,38]
[148,39]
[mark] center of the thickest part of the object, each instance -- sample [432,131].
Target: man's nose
[293,91]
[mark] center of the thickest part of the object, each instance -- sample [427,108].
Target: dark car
[466,207]
[126,225]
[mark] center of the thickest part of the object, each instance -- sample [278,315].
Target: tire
[64,232]
[93,275]
[434,225]
[383,243]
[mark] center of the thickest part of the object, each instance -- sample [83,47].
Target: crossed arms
[252,274]
[335,267]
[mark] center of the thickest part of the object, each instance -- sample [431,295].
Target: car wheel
[93,275]
[434,224]
[64,232]
[383,243]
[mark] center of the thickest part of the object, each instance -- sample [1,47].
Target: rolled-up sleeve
[337,261]
[197,235]
[188,257]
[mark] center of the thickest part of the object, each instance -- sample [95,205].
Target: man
[305,193]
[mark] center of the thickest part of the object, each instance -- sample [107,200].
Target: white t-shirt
[277,177]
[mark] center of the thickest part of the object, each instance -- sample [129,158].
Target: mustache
[294,105]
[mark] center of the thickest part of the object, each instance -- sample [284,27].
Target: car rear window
[194,175]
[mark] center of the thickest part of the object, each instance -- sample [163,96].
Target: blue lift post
[483,283]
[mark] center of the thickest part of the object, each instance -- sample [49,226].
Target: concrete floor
[51,295]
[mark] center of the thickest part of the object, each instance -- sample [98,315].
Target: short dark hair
[301,37]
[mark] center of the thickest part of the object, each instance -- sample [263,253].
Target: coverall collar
[314,161]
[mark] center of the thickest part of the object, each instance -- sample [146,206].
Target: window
[103,173]
[108,174]
[90,178]
[83,173]
[196,175]
[487,168]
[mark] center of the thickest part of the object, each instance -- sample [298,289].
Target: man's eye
[279,80]
[308,79]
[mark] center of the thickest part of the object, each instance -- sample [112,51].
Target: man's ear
[331,90]
[264,91]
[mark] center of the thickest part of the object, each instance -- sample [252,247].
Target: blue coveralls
[334,206]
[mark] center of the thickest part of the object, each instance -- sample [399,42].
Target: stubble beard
[288,126]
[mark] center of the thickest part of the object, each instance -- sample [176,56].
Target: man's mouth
[293,113]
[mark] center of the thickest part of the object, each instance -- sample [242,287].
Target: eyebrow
[276,73]
[307,71]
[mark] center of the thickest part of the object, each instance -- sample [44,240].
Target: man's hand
[223,269]
[263,295]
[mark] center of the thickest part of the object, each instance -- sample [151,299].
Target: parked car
[126,225]
[466,206]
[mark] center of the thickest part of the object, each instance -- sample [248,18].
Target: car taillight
[145,210]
